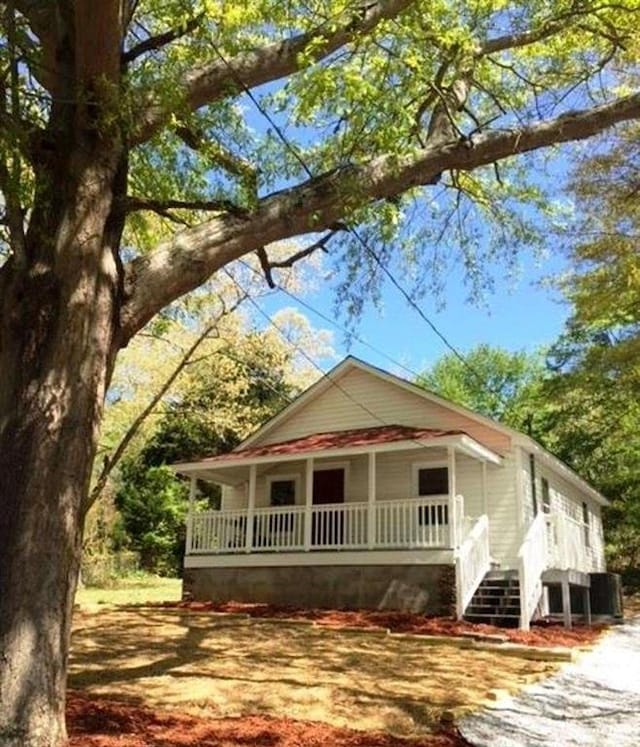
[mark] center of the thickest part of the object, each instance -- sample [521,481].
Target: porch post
[192,497]
[371,496]
[453,519]
[253,469]
[485,498]
[308,516]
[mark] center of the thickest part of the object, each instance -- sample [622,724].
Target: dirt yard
[218,667]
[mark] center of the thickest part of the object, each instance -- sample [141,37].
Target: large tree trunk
[58,337]
[59,296]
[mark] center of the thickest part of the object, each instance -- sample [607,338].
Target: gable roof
[332,378]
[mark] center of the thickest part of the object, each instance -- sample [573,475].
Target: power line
[329,320]
[305,355]
[354,232]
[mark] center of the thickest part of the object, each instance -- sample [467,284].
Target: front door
[328,524]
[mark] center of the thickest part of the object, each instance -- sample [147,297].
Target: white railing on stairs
[532,559]
[473,560]
[566,544]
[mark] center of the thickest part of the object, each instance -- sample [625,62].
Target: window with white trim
[282,491]
[546,496]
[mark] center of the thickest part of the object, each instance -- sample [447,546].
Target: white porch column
[453,519]
[371,497]
[192,496]
[253,471]
[308,506]
[485,497]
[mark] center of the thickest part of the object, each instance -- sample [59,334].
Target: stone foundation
[418,588]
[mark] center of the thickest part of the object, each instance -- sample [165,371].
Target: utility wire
[306,356]
[329,320]
[354,232]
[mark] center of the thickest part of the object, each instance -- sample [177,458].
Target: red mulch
[97,722]
[541,633]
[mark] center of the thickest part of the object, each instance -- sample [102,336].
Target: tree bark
[58,340]
[57,348]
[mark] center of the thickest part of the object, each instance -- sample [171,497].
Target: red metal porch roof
[338,440]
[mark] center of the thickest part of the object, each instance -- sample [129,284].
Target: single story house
[368,491]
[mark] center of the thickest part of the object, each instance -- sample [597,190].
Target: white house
[368,491]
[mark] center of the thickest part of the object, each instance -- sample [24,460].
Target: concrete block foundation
[426,589]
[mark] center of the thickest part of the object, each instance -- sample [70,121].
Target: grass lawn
[215,666]
[131,590]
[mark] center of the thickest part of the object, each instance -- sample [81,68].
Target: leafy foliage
[594,396]
[225,396]
[491,381]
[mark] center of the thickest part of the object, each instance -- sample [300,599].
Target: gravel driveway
[592,702]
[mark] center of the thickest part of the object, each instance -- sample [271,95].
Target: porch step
[496,601]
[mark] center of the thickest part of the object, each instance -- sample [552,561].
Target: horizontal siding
[565,499]
[362,400]
[505,534]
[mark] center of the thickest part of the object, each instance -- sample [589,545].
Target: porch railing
[532,559]
[412,523]
[473,560]
[566,544]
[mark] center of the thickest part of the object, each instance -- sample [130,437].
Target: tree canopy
[491,381]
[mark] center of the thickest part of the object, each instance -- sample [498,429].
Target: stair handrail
[532,561]
[473,561]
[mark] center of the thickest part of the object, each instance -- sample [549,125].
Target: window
[585,521]
[546,496]
[433,481]
[282,493]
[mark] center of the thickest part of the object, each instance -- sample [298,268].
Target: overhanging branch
[269,265]
[187,260]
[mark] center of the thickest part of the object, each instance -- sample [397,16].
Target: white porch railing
[278,528]
[412,523]
[566,544]
[339,525]
[420,522]
[532,559]
[473,561]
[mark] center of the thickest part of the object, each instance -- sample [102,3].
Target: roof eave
[462,442]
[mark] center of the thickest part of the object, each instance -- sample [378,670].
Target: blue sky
[519,314]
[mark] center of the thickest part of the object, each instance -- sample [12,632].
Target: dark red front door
[328,524]
[328,486]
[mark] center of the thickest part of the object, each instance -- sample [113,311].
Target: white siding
[505,534]
[362,400]
[565,499]
[394,481]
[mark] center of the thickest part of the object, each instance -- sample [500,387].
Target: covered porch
[376,489]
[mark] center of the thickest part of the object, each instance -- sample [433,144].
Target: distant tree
[593,398]
[492,381]
[225,397]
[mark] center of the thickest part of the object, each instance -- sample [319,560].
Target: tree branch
[154,43]
[134,203]
[110,462]
[189,258]
[269,265]
[209,83]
